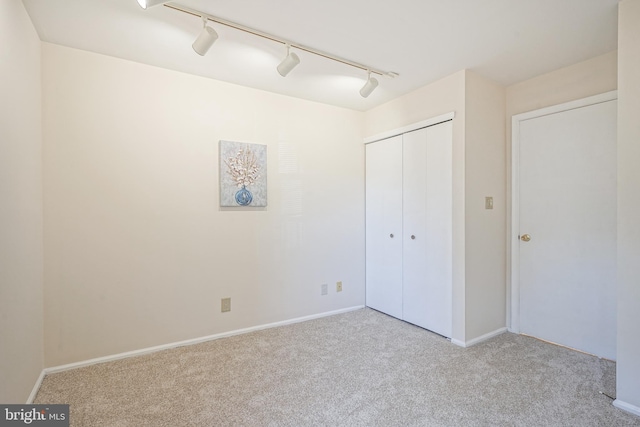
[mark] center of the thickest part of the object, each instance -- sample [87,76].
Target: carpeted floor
[361,368]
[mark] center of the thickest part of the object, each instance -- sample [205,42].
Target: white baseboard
[635,410]
[36,387]
[479,339]
[199,340]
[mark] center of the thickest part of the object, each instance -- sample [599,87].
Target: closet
[409,221]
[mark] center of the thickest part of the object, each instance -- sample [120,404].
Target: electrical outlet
[324,289]
[339,286]
[225,305]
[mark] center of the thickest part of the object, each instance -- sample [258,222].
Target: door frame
[513,224]
[411,127]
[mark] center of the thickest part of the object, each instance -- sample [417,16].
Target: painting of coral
[243,174]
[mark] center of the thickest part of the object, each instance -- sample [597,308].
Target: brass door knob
[525,237]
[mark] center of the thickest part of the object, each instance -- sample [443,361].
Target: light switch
[488,202]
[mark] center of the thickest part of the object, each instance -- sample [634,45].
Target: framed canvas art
[243,174]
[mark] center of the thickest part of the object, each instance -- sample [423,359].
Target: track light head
[288,63]
[150,3]
[205,40]
[369,86]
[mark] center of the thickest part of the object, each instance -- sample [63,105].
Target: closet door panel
[384,226]
[415,267]
[427,206]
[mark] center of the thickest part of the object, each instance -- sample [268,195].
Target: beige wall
[587,78]
[137,250]
[628,367]
[444,96]
[479,171]
[485,229]
[21,353]
[440,97]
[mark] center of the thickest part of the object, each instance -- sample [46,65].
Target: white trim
[36,387]
[480,339]
[414,126]
[458,342]
[635,410]
[513,290]
[572,105]
[513,287]
[148,350]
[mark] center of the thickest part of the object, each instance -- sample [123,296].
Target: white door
[384,226]
[567,190]
[428,221]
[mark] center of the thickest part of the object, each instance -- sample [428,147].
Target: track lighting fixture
[205,40]
[288,63]
[150,3]
[369,86]
[208,36]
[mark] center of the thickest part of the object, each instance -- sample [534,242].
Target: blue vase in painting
[244,196]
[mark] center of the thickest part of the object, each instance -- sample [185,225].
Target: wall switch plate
[488,202]
[324,289]
[225,305]
[339,286]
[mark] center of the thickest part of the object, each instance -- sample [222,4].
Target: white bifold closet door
[427,204]
[409,227]
[384,226]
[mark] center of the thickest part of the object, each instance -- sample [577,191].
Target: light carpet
[361,368]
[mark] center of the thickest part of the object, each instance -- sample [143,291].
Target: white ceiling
[423,40]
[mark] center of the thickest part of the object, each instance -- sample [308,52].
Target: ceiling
[507,41]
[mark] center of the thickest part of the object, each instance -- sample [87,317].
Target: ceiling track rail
[276,39]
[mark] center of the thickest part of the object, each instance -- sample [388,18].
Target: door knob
[413,237]
[391,235]
[525,237]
